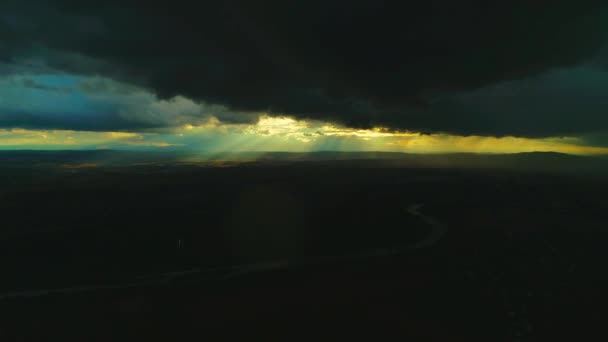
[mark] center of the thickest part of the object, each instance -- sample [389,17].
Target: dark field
[303,250]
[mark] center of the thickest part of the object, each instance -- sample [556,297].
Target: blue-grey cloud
[60,101]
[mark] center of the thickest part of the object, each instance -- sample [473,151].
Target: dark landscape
[294,247]
[303,170]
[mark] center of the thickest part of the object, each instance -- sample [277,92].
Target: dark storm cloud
[400,64]
[595,140]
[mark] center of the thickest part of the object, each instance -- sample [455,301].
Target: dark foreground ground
[300,251]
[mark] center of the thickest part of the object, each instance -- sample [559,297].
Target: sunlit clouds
[65,111]
[283,134]
[65,139]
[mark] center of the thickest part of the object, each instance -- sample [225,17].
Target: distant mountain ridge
[534,161]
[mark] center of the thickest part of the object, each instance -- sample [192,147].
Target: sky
[359,75]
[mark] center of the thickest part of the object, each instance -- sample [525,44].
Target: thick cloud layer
[59,101]
[430,65]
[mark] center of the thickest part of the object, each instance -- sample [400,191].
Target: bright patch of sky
[62,111]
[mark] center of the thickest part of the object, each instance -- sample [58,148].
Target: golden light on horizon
[286,134]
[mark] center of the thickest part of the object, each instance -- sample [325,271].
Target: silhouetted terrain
[302,246]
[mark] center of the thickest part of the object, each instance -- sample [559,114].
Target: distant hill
[102,157]
[534,161]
